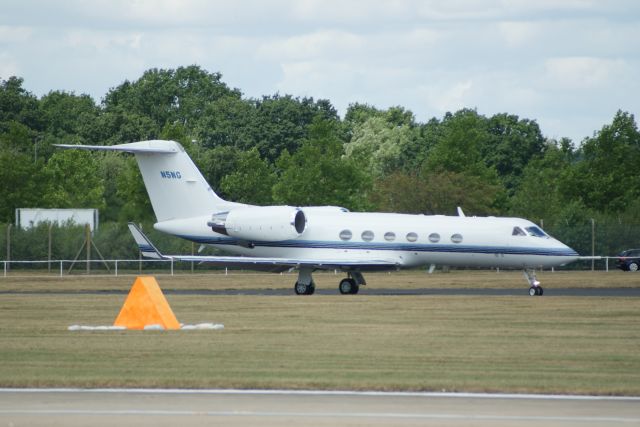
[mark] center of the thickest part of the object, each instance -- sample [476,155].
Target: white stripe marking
[322,393]
[377,415]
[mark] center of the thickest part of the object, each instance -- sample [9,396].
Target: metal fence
[113,267]
[121,267]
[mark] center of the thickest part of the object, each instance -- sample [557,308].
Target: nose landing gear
[535,289]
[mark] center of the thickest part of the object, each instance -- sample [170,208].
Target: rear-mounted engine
[260,223]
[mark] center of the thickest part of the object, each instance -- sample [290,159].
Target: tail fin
[176,187]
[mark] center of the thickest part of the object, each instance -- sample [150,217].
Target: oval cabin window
[412,237]
[345,235]
[434,237]
[456,238]
[389,236]
[367,235]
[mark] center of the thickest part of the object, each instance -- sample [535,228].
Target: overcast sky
[569,64]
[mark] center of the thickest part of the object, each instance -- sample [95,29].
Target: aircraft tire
[536,291]
[348,286]
[302,289]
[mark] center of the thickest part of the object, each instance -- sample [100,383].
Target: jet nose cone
[568,253]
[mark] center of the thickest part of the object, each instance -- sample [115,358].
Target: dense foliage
[288,150]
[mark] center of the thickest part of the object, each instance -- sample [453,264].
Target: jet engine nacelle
[260,223]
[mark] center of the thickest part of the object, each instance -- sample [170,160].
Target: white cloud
[556,61]
[322,44]
[517,34]
[8,66]
[583,72]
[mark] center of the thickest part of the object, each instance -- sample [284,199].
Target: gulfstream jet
[306,239]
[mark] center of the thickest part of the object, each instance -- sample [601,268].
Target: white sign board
[27,218]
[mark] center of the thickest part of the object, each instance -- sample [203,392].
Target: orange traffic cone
[146,305]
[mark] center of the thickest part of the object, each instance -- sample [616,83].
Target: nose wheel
[536,291]
[535,288]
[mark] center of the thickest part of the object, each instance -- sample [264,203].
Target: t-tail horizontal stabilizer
[144,244]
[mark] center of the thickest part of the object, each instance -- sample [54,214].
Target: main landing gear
[535,289]
[349,285]
[304,285]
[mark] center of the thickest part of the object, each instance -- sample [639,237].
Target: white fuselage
[406,240]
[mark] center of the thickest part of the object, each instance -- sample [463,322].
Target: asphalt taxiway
[158,407]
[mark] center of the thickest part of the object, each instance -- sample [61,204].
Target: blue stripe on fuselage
[405,247]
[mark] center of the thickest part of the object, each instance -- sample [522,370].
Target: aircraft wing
[262,263]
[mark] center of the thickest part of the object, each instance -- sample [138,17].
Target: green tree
[319,174]
[458,149]
[378,145]
[358,113]
[439,192]
[167,96]
[283,122]
[251,181]
[218,162]
[607,178]
[110,168]
[66,114]
[136,205]
[511,144]
[72,181]
[538,195]
[18,105]
[228,121]
[21,183]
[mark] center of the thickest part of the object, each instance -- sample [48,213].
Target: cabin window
[517,231]
[536,232]
[389,236]
[456,238]
[434,237]
[346,235]
[412,237]
[367,235]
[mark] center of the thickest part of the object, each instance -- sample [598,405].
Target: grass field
[453,343]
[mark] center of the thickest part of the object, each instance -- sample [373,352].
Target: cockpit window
[517,231]
[536,232]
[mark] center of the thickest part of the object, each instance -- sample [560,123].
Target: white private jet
[279,238]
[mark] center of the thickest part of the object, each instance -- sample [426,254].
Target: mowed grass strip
[455,343]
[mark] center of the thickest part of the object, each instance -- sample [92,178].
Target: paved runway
[279,408]
[548,292]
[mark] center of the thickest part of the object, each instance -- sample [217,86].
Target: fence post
[60,268]
[593,243]
[116,268]
[6,266]
[87,229]
[49,249]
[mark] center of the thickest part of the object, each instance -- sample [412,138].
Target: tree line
[281,149]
